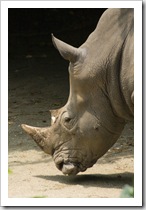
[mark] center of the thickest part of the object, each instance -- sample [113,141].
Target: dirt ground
[37,84]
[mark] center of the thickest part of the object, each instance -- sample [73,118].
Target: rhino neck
[106,49]
[120,85]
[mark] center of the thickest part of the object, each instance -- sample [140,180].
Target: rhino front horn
[40,136]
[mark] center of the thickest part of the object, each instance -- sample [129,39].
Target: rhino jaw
[40,136]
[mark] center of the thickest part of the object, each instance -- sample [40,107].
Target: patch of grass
[10,171]
[39,196]
[127,192]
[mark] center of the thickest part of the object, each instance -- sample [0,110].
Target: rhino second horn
[67,51]
[40,136]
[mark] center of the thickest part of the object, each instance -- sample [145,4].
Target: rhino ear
[67,51]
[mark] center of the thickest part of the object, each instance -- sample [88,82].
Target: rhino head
[86,127]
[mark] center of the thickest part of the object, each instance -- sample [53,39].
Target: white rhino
[101,98]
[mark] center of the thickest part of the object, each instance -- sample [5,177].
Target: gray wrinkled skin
[101,98]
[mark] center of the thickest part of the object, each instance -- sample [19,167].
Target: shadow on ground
[94,180]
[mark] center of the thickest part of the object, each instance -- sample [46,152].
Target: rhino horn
[67,51]
[40,136]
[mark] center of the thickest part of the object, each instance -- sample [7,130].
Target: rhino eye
[67,121]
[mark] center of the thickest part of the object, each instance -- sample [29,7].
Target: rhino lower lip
[68,168]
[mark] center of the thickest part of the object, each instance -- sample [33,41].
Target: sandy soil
[37,84]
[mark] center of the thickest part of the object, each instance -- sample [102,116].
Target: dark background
[30,29]
[38,75]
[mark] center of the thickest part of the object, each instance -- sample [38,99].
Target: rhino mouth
[69,168]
